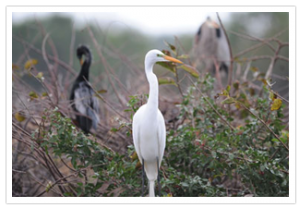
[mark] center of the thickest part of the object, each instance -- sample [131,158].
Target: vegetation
[232,141]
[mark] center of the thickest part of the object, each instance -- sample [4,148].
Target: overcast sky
[154,24]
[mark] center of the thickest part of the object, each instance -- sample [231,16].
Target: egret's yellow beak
[81,61]
[169,58]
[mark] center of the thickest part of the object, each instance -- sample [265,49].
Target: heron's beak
[81,61]
[169,58]
[215,25]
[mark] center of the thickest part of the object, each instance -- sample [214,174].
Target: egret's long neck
[153,87]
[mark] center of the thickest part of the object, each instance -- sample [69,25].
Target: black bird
[210,43]
[83,100]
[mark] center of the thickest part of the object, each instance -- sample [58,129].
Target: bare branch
[104,64]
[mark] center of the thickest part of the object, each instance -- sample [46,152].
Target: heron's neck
[153,88]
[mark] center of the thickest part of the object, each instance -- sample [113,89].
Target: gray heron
[211,47]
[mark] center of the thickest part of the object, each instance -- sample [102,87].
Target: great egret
[210,43]
[148,126]
[82,98]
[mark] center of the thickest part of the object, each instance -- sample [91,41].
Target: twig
[246,36]
[181,46]
[177,82]
[272,63]
[52,46]
[104,64]
[263,42]
[58,180]
[217,66]
[18,171]
[72,45]
[63,64]
[231,127]
[50,67]
[108,104]
[282,58]
[264,125]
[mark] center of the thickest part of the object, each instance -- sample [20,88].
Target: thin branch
[104,64]
[108,104]
[282,58]
[224,120]
[275,135]
[177,82]
[61,63]
[272,63]
[56,182]
[205,98]
[246,36]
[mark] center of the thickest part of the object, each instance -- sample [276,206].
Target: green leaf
[262,167]
[183,56]
[276,104]
[172,47]
[214,154]
[168,65]
[30,63]
[39,75]
[224,93]
[20,116]
[254,69]
[44,94]
[166,81]
[102,91]
[231,156]
[190,70]
[228,88]
[74,163]
[33,95]
[236,85]
[228,100]
[184,184]
[15,66]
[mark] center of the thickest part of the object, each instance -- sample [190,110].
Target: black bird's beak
[81,61]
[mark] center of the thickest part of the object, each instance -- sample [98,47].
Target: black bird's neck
[84,73]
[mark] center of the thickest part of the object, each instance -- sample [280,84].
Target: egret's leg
[158,180]
[143,177]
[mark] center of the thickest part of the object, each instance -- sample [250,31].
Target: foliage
[210,153]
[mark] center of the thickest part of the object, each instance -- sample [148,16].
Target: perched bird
[148,126]
[210,43]
[82,98]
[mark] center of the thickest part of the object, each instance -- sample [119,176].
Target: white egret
[210,43]
[82,98]
[148,127]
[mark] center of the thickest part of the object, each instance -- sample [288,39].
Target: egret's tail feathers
[151,189]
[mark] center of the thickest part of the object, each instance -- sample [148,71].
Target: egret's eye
[160,55]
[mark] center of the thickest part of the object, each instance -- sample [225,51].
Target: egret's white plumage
[148,127]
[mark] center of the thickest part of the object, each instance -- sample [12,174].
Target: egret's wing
[161,135]
[86,103]
[136,121]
